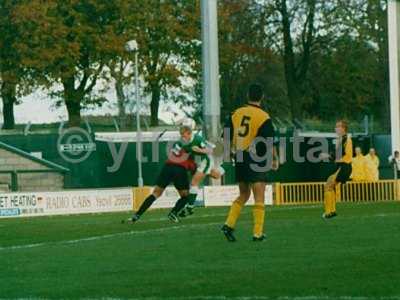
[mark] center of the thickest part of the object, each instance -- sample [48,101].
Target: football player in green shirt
[201,151]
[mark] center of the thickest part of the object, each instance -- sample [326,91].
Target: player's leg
[163,180]
[217,173]
[182,184]
[194,191]
[242,178]
[157,192]
[197,179]
[179,205]
[235,210]
[212,171]
[330,196]
[204,168]
[258,210]
[189,209]
[342,176]
[238,204]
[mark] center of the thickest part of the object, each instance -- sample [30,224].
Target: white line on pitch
[157,230]
[108,236]
[199,216]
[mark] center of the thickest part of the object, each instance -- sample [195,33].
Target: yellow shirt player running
[251,135]
[343,158]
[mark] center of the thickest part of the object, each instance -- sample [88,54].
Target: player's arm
[200,146]
[275,161]
[267,132]
[347,156]
[176,148]
[199,150]
[178,151]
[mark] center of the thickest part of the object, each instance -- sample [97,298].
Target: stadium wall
[93,172]
[23,172]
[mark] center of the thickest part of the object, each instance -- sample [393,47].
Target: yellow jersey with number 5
[248,123]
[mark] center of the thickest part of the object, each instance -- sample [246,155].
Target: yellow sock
[333,202]
[234,213]
[258,215]
[327,202]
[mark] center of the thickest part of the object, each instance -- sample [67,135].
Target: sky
[39,108]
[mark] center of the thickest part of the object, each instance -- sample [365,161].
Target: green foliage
[69,43]
[167,33]
[349,71]
[246,56]
[14,80]
[316,59]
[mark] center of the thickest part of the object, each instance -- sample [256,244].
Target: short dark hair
[256,92]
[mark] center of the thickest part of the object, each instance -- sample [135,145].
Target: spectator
[359,165]
[394,160]
[372,165]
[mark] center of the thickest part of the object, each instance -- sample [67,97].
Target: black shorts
[249,171]
[344,172]
[175,174]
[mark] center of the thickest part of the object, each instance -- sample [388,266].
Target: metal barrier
[309,193]
[382,190]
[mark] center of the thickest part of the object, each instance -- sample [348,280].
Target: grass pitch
[304,257]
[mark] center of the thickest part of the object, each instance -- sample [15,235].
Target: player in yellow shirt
[343,157]
[251,135]
[359,165]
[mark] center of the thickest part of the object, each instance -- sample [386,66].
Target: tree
[343,84]
[298,33]
[118,70]
[372,29]
[246,56]
[349,71]
[68,43]
[168,36]
[11,72]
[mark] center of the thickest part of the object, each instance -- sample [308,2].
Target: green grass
[354,255]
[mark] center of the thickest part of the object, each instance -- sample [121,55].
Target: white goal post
[394,64]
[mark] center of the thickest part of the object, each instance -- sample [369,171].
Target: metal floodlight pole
[211,89]
[132,46]
[138,127]
[394,65]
